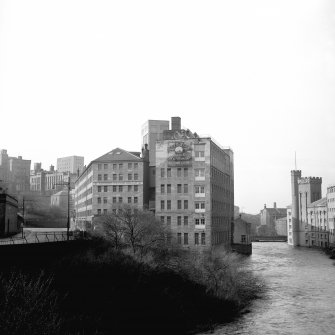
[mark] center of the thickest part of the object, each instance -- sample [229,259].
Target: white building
[70,164]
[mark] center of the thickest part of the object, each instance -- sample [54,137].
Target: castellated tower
[305,190]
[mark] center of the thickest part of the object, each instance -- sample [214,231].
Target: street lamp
[68,184]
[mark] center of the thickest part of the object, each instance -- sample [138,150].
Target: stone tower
[295,176]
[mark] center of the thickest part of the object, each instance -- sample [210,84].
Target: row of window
[129,200]
[182,188]
[118,176]
[118,188]
[184,219]
[199,238]
[117,166]
[197,205]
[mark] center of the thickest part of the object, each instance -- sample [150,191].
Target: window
[135,165]
[114,188]
[200,154]
[114,210]
[186,238]
[199,172]
[120,176]
[105,211]
[203,238]
[105,200]
[105,176]
[129,200]
[162,219]
[197,222]
[179,188]
[120,166]
[185,188]
[99,166]
[162,204]
[130,165]
[179,238]
[105,188]
[202,221]
[129,188]
[99,177]
[179,220]
[135,188]
[200,205]
[168,188]
[162,188]
[179,204]
[136,176]
[196,238]
[114,176]
[135,200]
[178,172]
[114,166]
[185,204]
[120,199]
[243,239]
[99,188]
[199,189]
[99,200]
[105,166]
[185,172]
[168,220]
[162,173]
[168,172]
[130,176]
[114,200]
[185,220]
[168,204]
[99,211]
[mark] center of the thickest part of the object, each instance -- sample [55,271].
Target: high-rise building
[151,132]
[71,164]
[118,177]
[14,173]
[194,188]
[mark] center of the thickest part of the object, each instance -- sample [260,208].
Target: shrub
[28,305]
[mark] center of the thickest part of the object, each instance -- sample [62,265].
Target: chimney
[52,168]
[264,206]
[274,205]
[175,123]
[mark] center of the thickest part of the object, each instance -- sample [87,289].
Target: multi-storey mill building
[118,177]
[194,188]
[307,217]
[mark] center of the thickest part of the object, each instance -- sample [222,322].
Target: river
[301,293]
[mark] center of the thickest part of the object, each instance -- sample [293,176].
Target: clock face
[178,150]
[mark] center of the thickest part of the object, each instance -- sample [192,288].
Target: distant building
[194,188]
[49,182]
[14,173]
[71,164]
[118,177]
[8,215]
[269,216]
[241,236]
[281,226]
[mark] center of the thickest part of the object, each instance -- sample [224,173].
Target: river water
[301,293]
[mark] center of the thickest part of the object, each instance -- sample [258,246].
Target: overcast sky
[81,77]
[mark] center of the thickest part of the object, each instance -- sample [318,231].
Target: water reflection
[301,295]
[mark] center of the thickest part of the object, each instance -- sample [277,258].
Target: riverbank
[94,289]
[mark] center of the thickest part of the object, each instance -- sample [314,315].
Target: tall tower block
[295,176]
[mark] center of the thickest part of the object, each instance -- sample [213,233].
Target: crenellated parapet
[310,180]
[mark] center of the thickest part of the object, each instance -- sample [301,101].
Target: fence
[38,237]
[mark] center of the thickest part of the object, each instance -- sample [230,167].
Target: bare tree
[138,229]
